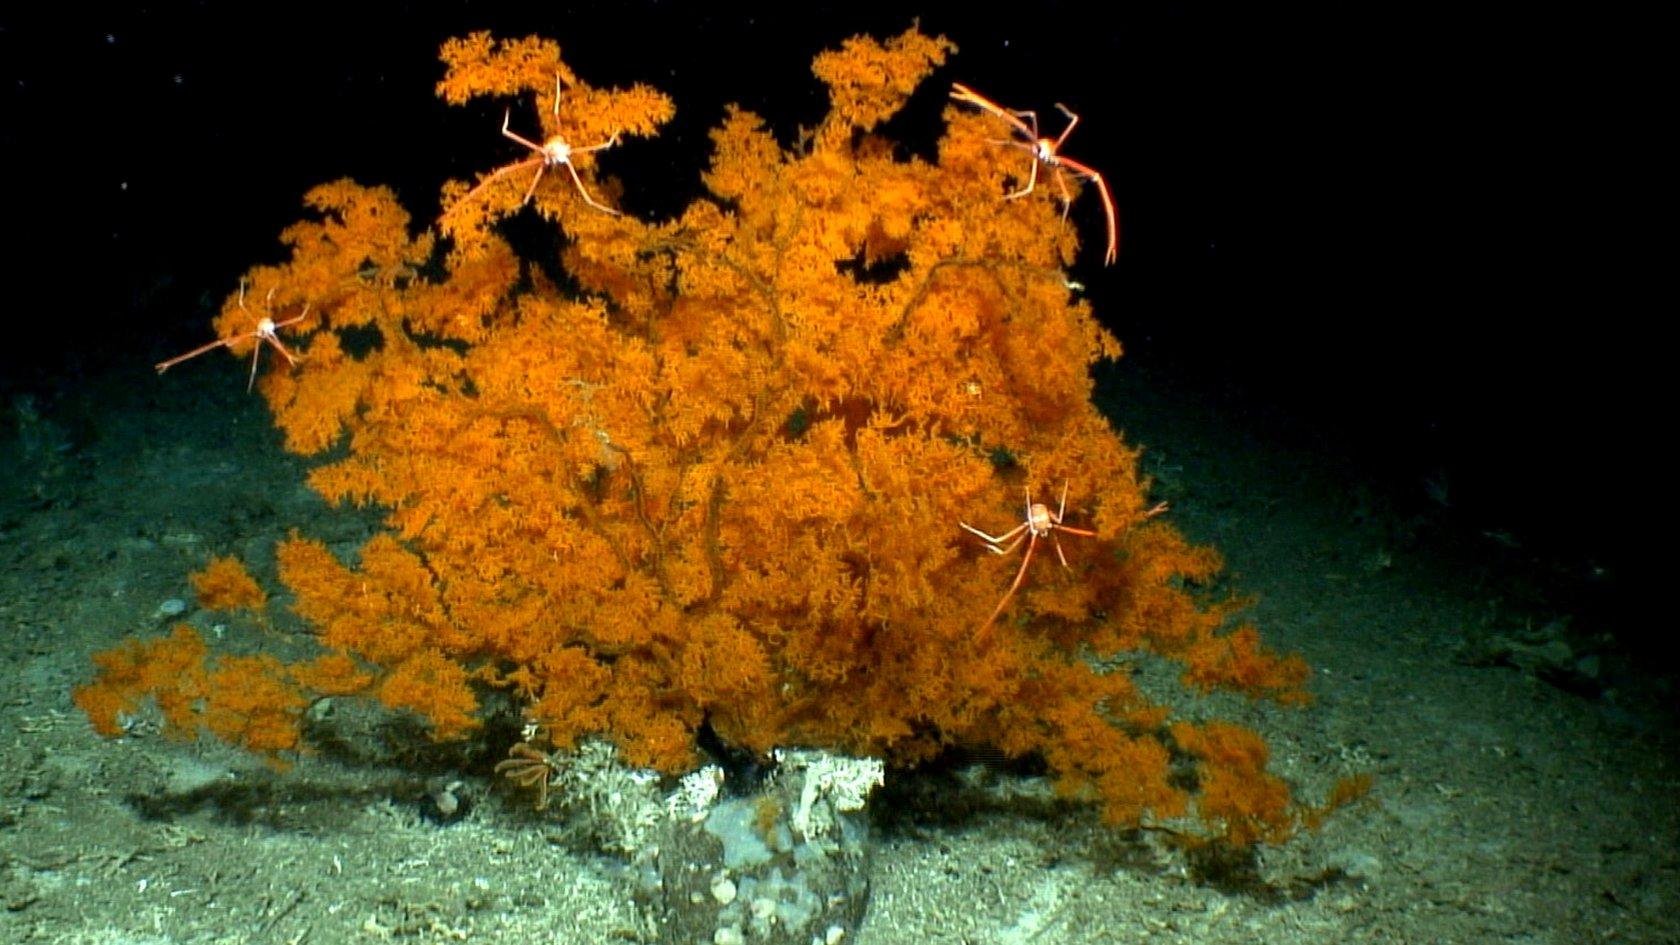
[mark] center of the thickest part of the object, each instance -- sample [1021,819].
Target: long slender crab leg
[1039,521]
[1047,151]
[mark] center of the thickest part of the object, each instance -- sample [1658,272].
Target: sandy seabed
[1524,781]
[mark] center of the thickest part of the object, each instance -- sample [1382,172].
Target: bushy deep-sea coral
[711,473]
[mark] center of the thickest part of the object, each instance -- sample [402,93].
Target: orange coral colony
[717,480]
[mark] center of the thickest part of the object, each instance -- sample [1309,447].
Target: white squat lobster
[1040,521]
[555,151]
[1047,151]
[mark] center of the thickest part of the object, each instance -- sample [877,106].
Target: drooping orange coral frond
[250,701]
[434,688]
[1238,660]
[1235,792]
[169,669]
[224,584]
[331,674]
[247,701]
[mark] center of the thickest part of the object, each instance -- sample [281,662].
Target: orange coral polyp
[725,486]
